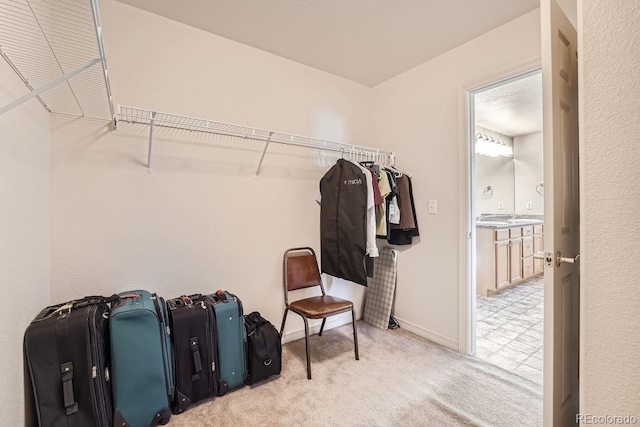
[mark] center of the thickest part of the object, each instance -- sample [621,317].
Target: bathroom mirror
[511,185]
[511,115]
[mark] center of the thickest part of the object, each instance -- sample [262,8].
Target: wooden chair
[301,271]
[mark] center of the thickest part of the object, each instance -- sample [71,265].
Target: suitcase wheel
[165,417]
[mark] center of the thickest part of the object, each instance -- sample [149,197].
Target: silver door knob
[568,260]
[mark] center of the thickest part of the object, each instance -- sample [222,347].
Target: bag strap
[197,361]
[125,296]
[95,299]
[253,320]
[66,365]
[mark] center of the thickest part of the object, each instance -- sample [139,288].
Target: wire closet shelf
[175,121]
[56,49]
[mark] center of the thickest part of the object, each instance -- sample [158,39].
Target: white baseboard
[424,333]
[332,322]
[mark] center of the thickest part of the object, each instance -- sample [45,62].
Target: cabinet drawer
[527,267]
[527,230]
[502,234]
[538,266]
[537,229]
[527,246]
[515,232]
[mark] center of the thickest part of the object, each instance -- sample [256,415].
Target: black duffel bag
[264,348]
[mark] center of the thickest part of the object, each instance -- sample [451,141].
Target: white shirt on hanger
[372,247]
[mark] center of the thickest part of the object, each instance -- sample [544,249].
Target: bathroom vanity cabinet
[538,246]
[504,255]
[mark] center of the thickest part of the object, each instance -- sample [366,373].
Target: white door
[561,210]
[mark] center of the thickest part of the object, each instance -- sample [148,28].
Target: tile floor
[509,329]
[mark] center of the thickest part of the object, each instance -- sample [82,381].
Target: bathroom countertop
[508,224]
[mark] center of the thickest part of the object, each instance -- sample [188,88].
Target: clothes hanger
[393,168]
[400,171]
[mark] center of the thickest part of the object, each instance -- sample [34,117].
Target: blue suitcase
[231,341]
[141,360]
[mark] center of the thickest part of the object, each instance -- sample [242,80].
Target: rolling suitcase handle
[221,295]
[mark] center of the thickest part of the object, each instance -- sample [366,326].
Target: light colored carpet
[400,380]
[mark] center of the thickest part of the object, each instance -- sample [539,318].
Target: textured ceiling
[367,41]
[512,109]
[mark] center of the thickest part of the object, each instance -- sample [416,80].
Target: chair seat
[321,306]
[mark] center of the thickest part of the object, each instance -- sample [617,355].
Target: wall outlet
[529,206]
[500,206]
[433,207]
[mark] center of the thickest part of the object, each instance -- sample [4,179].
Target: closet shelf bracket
[151,127]
[266,145]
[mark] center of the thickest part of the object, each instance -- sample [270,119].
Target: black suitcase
[264,348]
[66,361]
[193,335]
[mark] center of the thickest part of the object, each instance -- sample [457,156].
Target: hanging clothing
[346,196]
[393,209]
[403,233]
[377,197]
[372,246]
[381,212]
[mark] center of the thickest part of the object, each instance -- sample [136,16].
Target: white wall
[200,221]
[528,172]
[498,173]
[609,91]
[24,232]
[419,112]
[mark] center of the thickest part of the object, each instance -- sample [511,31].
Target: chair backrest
[300,270]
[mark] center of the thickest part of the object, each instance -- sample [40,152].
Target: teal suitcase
[231,341]
[141,360]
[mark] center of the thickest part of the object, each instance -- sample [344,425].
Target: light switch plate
[433,207]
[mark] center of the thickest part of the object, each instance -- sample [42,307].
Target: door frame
[467,231]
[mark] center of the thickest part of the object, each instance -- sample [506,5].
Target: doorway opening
[507,219]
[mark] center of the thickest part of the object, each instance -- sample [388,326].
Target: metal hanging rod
[174,121]
[51,45]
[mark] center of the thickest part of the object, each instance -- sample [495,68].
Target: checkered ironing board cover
[377,308]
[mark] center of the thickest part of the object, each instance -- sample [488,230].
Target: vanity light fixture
[493,147]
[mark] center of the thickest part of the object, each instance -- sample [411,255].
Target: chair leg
[284,319]
[306,344]
[322,326]
[355,333]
